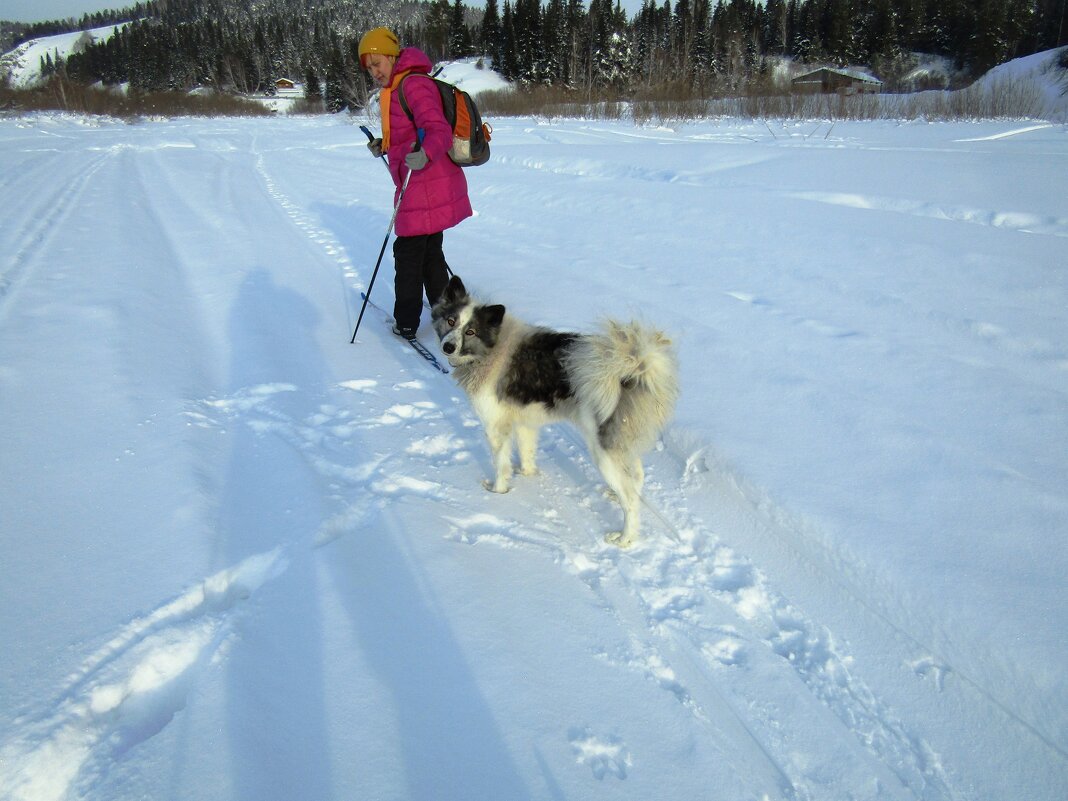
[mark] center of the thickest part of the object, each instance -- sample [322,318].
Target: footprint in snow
[364,385]
[729,651]
[441,447]
[605,756]
[406,412]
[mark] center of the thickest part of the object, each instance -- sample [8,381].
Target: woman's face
[380,68]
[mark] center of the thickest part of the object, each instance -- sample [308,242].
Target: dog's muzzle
[448,343]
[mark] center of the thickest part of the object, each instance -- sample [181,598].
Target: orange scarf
[385,97]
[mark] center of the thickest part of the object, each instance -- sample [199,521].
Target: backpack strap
[403,100]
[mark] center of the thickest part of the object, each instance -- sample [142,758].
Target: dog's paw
[492,487]
[620,539]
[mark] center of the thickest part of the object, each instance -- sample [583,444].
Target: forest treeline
[709,47]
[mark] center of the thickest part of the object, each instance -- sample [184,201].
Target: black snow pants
[420,265]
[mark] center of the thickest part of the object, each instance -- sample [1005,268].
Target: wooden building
[831,81]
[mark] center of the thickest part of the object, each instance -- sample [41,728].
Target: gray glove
[416,160]
[375,146]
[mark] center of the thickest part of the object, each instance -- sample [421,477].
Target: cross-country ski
[417,346]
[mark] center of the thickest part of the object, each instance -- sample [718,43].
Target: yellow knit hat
[380,40]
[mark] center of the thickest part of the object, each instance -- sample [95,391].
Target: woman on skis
[436,197]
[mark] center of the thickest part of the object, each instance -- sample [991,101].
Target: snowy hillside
[1044,72]
[244,559]
[473,76]
[23,64]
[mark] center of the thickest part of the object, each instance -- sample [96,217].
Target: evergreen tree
[837,31]
[700,45]
[526,20]
[490,38]
[436,30]
[1052,24]
[575,17]
[681,38]
[808,45]
[1000,27]
[881,37]
[509,65]
[313,91]
[555,42]
[459,36]
[775,27]
[336,100]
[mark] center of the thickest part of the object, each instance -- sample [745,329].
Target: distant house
[831,81]
[284,83]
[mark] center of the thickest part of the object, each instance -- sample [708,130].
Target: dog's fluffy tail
[627,376]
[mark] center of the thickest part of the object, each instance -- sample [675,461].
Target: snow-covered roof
[855,75]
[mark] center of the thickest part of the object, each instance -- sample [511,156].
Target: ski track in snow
[1009,220]
[700,612]
[671,588]
[325,240]
[698,598]
[43,220]
[707,175]
[130,688]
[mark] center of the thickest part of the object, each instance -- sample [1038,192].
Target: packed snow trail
[272,571]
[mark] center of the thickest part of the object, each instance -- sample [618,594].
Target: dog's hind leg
[527,439]
[625,478]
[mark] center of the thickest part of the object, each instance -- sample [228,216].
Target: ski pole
[371,138]
[389,230]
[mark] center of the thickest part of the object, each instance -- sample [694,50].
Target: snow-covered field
[245,559]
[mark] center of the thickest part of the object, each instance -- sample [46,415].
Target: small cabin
[826,81]
[284,83]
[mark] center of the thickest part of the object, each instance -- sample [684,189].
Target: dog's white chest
[486,405]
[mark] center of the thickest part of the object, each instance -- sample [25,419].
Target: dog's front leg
[500,442]
[527,439]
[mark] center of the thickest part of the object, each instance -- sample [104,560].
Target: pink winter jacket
[436,197]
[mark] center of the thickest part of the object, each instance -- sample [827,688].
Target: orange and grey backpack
[470,136]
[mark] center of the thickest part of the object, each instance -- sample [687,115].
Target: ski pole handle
[371,138]
[420,134]
[417,145]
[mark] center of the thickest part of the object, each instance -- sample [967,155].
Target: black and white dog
[618,387]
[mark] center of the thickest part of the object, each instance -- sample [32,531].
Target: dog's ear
[455,290]
[494,315]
